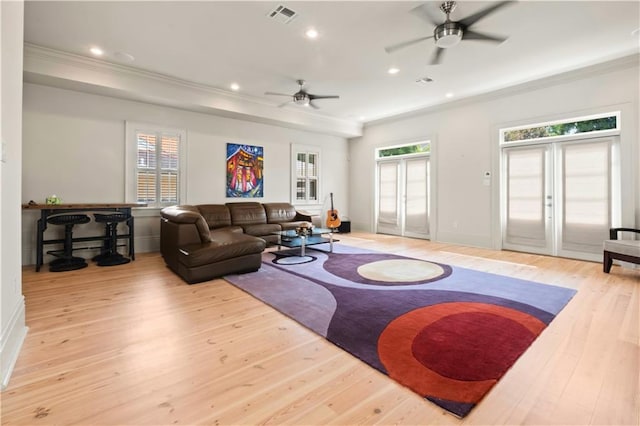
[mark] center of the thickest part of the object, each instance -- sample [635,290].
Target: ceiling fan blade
[312,105]
[472,35]
[277,94]
[286,103]
[312,97]
[472,19]
[437,56]
[393,48]
[422,12]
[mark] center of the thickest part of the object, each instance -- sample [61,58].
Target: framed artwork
[244,171]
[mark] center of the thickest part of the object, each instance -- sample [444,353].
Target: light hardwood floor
[135,345]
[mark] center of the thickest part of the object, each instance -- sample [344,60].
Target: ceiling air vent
[282,14]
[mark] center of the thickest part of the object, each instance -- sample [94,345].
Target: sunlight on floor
[488,260]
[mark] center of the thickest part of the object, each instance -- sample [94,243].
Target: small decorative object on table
[54,199]
[304,230]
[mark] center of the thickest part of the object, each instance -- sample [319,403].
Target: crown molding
[70,71]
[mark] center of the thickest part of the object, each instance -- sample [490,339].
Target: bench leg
[607,262]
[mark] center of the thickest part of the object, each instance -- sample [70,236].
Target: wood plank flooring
[135,345]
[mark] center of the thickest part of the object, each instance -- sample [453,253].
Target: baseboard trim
[12,338]
[148,244]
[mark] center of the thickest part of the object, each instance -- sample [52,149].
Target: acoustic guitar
[332,216]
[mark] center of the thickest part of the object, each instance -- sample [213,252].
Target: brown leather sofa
[202,242]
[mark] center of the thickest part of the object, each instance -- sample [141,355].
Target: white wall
[12,315]
[465,136]
[74,147]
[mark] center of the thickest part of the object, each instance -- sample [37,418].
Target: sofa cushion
[626,247]
[279,212]
[261,229]
[232,228]
[226,245]
[216,215]
[247,213]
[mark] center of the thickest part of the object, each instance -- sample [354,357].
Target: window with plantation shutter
[156,178]
[306,179]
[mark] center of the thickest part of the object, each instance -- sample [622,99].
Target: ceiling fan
[302,97]
[449,33]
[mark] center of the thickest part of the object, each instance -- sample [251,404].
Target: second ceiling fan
[449,33]
[302,97]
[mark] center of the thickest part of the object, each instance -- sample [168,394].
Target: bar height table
[47,210]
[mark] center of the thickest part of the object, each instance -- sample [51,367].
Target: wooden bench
[625,250]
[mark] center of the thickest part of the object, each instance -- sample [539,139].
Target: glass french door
[558,198]
[403,197]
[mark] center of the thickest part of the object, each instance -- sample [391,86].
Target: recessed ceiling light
[235,87]
[449,95]
[96,51]
[393,70]
[311,33]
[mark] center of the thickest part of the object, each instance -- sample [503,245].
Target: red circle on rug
[396,342]
[471,345]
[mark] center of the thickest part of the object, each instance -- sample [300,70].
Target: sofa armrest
[187,215]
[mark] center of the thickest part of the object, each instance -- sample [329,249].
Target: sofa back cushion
[247,213]
[279,212]
[216,215]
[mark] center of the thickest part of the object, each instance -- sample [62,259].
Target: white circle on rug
[400,270]
[294,260]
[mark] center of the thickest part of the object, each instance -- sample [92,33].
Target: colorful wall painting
[244,171]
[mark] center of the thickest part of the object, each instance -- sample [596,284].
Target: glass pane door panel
[585,195]
[417,196]
[526,184]
[388,178]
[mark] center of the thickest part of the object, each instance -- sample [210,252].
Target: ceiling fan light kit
[301,99]
[448,34]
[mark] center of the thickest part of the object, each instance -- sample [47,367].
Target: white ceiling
[217,43]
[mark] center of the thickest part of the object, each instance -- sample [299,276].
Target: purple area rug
[447,333]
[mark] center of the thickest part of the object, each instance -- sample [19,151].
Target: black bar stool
[66,261]
[109,255]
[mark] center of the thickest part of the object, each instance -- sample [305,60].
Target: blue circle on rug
[381,269]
